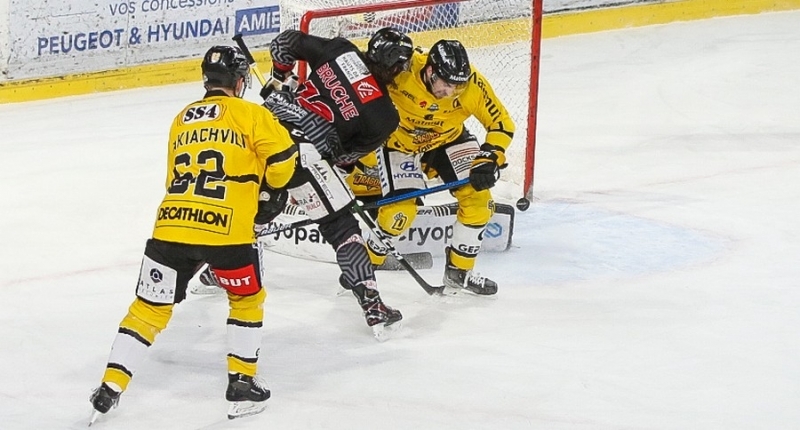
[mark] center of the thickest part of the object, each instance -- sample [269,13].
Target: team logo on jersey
[367,89]
[434,107]
[370,179]
[204,112]
[399,221]
[423,136]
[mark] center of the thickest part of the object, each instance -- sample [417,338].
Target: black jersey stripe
[243,179]
[252,360]
[132,333]
[284,155]
[121,368]
[248,324]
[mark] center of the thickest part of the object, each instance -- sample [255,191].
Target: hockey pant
[398,173]
[319,188]
[166,270]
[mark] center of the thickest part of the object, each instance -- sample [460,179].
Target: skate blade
[384,332]
[448,291]
[452,291]
[245,409]
[95,414]
[206,290]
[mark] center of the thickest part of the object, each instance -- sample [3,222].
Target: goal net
[501,37]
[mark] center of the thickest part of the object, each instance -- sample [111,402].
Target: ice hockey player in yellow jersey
[438,93]
[220,151]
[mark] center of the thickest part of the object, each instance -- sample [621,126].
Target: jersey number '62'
[210,162]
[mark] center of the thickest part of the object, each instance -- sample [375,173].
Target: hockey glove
[282,105]
[281,79]
[486,167]
[270,204]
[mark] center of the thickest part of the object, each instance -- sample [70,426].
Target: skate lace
[475,278]
[260,383]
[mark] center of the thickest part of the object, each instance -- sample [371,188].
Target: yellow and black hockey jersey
[427,123]
[219,149]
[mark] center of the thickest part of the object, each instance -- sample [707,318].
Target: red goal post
[502,37]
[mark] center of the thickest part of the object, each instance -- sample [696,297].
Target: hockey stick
[387,242]
[416,193]
[277,228]
[250,60]
[272,82]
[357,208]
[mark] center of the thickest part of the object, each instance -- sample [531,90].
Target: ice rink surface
[654,284]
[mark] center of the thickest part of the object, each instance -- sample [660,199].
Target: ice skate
[456,280]
[248,395]
[208,285]
[103,399]
[383,320]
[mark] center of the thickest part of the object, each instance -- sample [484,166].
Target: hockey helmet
[390,48]
[450,61]
[223,66]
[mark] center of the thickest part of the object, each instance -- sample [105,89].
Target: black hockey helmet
[390,48]
[450,61]
[223,66]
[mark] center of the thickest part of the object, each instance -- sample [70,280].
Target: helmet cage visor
[457,87]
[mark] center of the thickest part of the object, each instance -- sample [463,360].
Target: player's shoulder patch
[352,66]
[359,77]
[202,112]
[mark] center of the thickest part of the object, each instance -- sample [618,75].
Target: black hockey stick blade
[430,289]
[418,260]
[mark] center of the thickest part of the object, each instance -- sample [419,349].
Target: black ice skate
[208,283]
[379,316]
[456,280]
[103,399]
[248,395]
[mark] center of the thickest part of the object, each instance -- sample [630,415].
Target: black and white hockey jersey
[352,112]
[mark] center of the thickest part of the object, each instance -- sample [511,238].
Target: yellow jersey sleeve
[275,145]
[480,100]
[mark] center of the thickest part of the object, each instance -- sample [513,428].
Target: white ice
[655,283]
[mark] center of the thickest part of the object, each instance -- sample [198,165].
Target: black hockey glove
[281,79]
[486,167]
[282,105]
[270,204]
